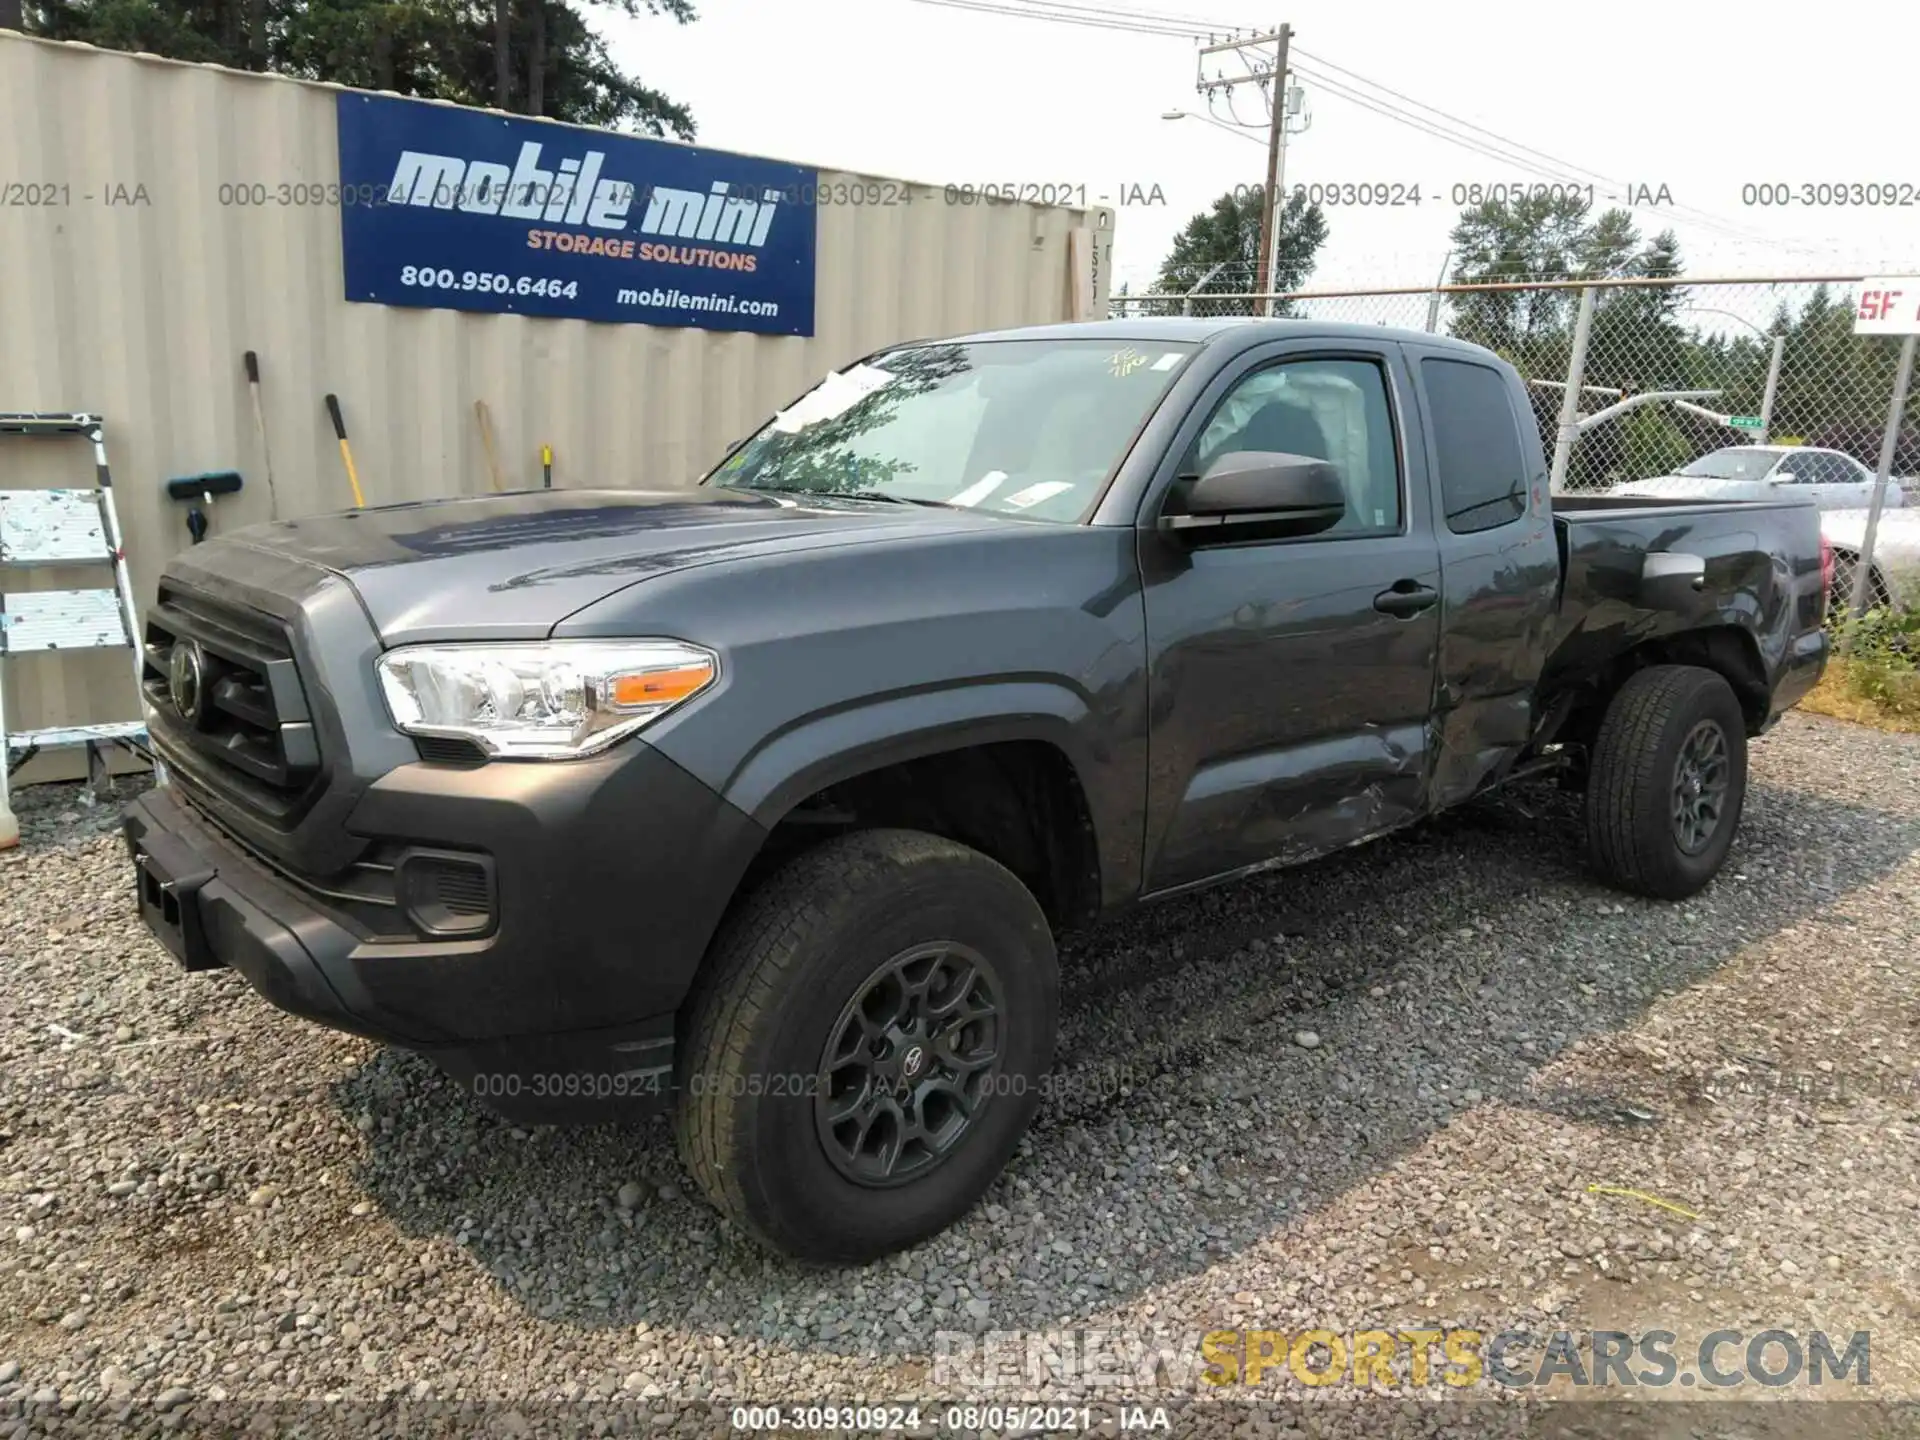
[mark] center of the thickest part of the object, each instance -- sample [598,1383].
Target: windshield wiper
[873,495]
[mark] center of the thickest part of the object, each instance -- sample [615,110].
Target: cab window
[1329,409]
[1483,481]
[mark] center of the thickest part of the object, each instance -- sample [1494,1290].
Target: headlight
[541,700]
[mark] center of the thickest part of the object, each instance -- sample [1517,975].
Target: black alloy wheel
[909,1065]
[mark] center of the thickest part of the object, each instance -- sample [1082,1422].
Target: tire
[1634,788]
[781,982]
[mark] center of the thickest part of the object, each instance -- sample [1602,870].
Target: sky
[1628,99]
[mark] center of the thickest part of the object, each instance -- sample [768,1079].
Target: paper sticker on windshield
[1168,361]
[1034,494]
[980,489]
[1125,362]
[835,395]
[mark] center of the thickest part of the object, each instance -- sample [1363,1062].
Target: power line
[1455,119]
[1568,174]
[1186,24]
[1092,17]
[1507,151]
[1677,210]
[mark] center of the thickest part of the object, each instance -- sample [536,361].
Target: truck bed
[1762,579]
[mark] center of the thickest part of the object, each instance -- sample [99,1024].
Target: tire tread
[751,965]
[1627,774]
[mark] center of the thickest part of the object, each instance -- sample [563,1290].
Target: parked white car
[1896,554]
[1831,479]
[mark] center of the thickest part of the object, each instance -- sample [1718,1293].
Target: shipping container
[160,219]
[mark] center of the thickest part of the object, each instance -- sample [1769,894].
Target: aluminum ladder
[45,528]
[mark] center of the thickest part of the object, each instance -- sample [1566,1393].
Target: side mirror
[1289,494]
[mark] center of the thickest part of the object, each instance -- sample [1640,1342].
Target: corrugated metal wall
[136,294]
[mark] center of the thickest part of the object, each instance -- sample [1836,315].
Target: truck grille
[228,709]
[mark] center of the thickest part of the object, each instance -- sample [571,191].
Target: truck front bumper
[611,877]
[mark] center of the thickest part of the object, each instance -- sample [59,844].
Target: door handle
[1405,598]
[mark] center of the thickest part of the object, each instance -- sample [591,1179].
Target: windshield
[1735,464]
[1031,428]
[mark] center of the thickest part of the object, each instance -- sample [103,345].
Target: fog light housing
[447,894]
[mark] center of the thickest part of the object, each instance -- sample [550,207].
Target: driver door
[1291,680]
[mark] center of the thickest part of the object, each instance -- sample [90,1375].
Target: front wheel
[868,1043]
[1667,781]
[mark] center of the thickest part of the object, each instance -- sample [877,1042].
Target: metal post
[1773,388]
[1863,573]
[1270,209]
[1186,301]
[1570,405]
[1433,301]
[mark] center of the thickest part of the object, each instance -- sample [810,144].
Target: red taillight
[1826,571]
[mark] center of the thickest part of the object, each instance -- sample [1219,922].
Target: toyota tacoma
[766,798]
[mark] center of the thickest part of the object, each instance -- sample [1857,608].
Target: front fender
[827,748]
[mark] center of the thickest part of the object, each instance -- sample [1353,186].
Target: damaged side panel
[1289,714]
[1287,806]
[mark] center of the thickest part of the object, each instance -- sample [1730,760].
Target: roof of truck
[1246,329]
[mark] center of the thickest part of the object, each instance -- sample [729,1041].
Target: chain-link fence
[1674,370]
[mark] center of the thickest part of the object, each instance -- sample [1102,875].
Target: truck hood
[511,567]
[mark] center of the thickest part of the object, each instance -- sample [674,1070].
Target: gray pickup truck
[766,798]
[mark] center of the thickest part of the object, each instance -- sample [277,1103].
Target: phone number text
[487,282]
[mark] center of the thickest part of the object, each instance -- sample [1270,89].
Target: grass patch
[1874,675]
[1835,695]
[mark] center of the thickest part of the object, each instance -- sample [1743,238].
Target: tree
[1532,237]
[1836,386]
[534,57]
[1637,342]
[1227,234]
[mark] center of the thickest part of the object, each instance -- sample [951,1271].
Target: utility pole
[1272,207]
[1271,76]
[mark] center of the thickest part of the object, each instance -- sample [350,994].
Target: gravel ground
[1371,1093]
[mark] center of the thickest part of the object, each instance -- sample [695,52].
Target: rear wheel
[1667,781]
[868,1044]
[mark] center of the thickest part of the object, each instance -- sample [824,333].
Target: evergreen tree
[1228,234]
[532,57]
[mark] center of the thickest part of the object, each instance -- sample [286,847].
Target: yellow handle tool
[346,452]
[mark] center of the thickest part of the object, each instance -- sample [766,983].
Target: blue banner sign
[460,209]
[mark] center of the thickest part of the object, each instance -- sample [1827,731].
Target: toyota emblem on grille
[186,675]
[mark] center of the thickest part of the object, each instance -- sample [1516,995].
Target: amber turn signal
[658,687]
